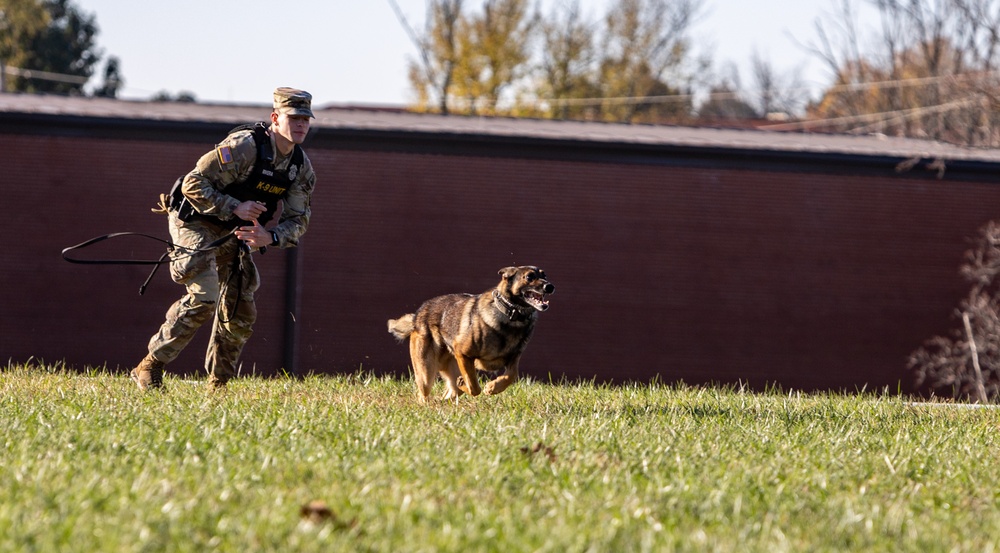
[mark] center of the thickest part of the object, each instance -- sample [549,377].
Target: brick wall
[706,271]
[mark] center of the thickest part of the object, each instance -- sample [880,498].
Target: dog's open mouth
[536,299]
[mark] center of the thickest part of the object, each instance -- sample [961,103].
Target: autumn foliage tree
[931,74]
[506,59]
[495,45]
[564,76]
[644,50]
[469,61]
[433,75]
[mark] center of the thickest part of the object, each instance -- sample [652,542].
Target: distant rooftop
[388,118]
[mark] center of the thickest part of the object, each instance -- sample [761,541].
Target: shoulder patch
[225,155]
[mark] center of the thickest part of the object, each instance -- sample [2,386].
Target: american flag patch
[225,154]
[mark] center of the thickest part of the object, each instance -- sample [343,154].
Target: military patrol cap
[292,101]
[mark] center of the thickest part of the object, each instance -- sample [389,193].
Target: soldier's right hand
[249,211]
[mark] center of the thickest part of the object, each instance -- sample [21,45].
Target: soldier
[234,189]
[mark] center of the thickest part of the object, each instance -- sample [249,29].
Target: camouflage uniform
[221,283]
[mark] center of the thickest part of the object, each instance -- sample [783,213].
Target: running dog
[457,335]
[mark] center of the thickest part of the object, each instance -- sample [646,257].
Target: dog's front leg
[468,370]
[501,382]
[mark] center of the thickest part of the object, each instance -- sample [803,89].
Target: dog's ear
[507,272]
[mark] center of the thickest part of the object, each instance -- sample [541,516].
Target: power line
[730,95]
[872,118]
[848,87]
[43,75]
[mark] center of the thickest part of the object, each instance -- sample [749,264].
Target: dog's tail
[402,327]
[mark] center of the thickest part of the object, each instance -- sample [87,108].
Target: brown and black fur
[459,334]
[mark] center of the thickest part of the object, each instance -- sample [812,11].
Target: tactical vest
[264,184]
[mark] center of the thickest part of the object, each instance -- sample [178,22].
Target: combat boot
[149,374]
[215,385]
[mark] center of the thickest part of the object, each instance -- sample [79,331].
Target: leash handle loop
[171,248]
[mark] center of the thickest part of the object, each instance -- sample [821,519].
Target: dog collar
[507,308]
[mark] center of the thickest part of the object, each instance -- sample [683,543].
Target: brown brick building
[701,255]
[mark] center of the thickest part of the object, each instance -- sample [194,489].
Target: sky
[356,51]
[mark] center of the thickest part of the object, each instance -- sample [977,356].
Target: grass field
[90,464]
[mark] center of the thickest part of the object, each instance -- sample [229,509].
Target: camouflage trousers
[220,286]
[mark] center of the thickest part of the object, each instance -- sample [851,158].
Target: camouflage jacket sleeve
[230,161]
[297,206]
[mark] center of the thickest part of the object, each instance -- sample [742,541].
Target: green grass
[90,464]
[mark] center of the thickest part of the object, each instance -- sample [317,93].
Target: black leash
[171,247]
[235,270]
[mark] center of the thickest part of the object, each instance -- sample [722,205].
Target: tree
[470,61]
[48,36]
[182,97]
[113,80]
[632,66]
[839,48]
[725,104]
[495,48]
[645,48]
[433,76]
[20,21]
[478,63]
[773,93]
[931,73]
[567,62]
[967,364]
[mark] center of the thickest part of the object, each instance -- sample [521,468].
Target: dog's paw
[464,387]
